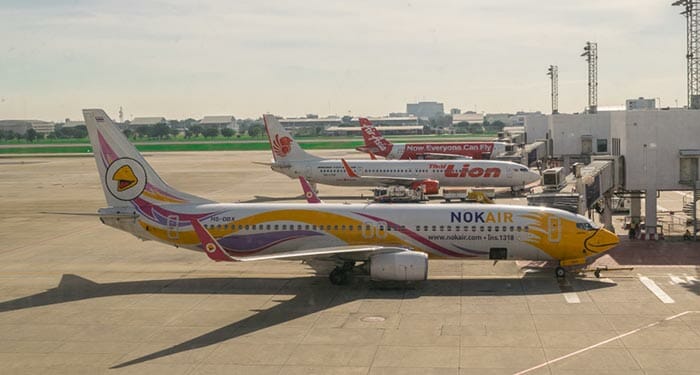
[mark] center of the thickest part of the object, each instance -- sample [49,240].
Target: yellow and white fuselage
[395,240]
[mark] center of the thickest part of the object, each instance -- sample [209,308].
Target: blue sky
[183,59]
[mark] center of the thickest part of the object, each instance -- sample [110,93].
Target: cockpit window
[585,226]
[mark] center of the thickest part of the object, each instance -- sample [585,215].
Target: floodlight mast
[590,51]
[553,73]
[693,50]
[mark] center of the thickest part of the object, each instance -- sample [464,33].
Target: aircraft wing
[215,252]
[379,180]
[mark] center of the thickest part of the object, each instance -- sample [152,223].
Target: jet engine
[399,266]
[428,186]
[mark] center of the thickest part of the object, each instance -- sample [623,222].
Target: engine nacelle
[399,266]
[428,186]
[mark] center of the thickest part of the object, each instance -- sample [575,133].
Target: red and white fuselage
[376,144]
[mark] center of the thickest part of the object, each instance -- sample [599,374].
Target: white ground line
[675,280]
[604,342]
[572,297]
[651,285]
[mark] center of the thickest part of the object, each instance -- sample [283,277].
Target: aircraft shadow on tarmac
[311,295]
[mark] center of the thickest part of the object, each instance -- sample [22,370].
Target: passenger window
[488,229]
[511,228]
[335,227]
[434,228]
[307,226]
[457,228]
[442,228]
[247,227]
[342,227]
[495,228]
[284,226]
[449,228]
[481,229]
[526,228]
[425,228]
[417,228]
[474,228]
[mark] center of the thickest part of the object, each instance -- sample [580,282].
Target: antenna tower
[553,73]
[693,52]
[121,114]
[590,51]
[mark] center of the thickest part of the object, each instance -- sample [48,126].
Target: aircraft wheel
[560,272]
[338,276]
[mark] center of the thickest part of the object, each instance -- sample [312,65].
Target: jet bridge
[589,185]
[597,181]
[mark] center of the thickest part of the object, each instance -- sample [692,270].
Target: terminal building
[654,150]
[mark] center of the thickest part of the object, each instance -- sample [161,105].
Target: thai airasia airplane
[428,175]
[376,144]
[390,242]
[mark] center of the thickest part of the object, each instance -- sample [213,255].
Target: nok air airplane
[388,242]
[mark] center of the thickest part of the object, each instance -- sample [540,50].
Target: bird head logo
[282,146]
[125,178]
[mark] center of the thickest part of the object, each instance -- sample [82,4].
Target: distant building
[425,110]
[640,103]
[470,117]
[310,122]
[17,126]
[21,126]
[506,118]
[385,130]
[72,124]
[219,122]
[148,121]
[455,111]
[390,121]
[43,127]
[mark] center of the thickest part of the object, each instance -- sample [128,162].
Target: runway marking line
[572,297]
[565,356]
[660,294]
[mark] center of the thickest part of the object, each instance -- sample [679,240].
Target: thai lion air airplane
[376,144]
[291,160]
[393,242]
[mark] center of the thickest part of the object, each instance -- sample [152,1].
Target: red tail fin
[373,139]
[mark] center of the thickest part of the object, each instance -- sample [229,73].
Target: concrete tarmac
[80,297]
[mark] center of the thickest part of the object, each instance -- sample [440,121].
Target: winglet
[349,170]
[210,245]
[309,192]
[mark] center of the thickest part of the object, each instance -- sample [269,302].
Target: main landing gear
[560,272]
[341,274]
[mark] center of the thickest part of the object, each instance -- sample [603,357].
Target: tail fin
[284,147]
[124,173]
[374,142]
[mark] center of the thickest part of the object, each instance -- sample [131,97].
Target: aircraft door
[554,229]
[173,226]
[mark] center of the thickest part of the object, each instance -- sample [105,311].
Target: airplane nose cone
[531,177]
[602,241]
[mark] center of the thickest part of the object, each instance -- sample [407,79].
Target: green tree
[30,135]
[210,132]
[227,132]
[255,130]
[196,130]
[160,131]
[143,131]
[127,132]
